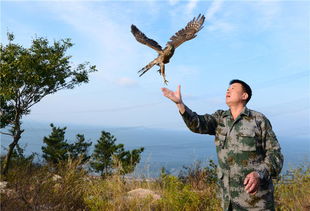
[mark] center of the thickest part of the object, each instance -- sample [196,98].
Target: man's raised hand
[176,97]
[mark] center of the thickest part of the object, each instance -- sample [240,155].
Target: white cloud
[214,8]
[191,6]
[269,11]
[98,24]
[108,32]
[216,24]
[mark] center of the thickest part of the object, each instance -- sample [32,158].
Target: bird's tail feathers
[147,67]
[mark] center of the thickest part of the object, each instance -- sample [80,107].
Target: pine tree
[79,149]
[106,150]
[56,148]
[102,155]
[129,159]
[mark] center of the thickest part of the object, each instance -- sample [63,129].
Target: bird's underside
[164,55]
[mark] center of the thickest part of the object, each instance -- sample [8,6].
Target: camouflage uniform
[243,145]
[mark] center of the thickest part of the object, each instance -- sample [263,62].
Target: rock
[141,193]
[7,191]
[56,177]
[3,185]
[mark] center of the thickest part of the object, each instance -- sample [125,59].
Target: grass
[37,188]
[292,192]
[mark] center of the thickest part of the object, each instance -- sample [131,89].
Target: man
[247,149]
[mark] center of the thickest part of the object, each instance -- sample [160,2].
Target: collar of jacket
[245,112]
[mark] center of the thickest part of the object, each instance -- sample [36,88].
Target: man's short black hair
[245,87]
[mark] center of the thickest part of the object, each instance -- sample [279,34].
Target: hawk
[164,55]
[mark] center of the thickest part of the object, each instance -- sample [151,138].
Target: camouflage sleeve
[204,124]
[273,162]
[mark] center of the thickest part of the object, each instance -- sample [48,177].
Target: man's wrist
[260,175]
[181,107]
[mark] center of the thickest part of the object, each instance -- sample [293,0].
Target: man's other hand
[251,183]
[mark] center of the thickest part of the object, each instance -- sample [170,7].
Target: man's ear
[245,96]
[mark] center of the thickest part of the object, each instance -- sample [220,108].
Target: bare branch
[4,133]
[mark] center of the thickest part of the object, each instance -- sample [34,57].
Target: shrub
[177,195]
[197,176]
[41,189]
[292,191]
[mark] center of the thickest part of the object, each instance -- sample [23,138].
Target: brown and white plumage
[164,55]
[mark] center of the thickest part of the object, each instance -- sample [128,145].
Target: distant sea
[171,149]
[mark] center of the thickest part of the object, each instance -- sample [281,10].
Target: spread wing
[142,38]
[189,32]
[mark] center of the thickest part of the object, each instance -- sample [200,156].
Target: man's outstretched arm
[205,124]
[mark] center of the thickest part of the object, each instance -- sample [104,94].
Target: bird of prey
[164,55]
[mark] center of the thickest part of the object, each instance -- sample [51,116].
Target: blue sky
[265,43]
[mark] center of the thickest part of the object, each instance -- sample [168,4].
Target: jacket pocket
[247,141]
[220,137]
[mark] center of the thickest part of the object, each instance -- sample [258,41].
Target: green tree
[79,149]
[129,159]
[106,151]
[28,75]
[57,147]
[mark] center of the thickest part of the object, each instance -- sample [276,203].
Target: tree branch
[4,133]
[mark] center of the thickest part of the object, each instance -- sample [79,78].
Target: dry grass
[292,192]
[37,188]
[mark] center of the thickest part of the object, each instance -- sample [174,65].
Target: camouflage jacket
[243,145]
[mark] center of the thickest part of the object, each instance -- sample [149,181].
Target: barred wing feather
[189,32]
[142,38]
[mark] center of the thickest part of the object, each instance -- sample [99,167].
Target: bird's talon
[141,70]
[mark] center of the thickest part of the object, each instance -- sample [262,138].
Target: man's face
[235,94]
